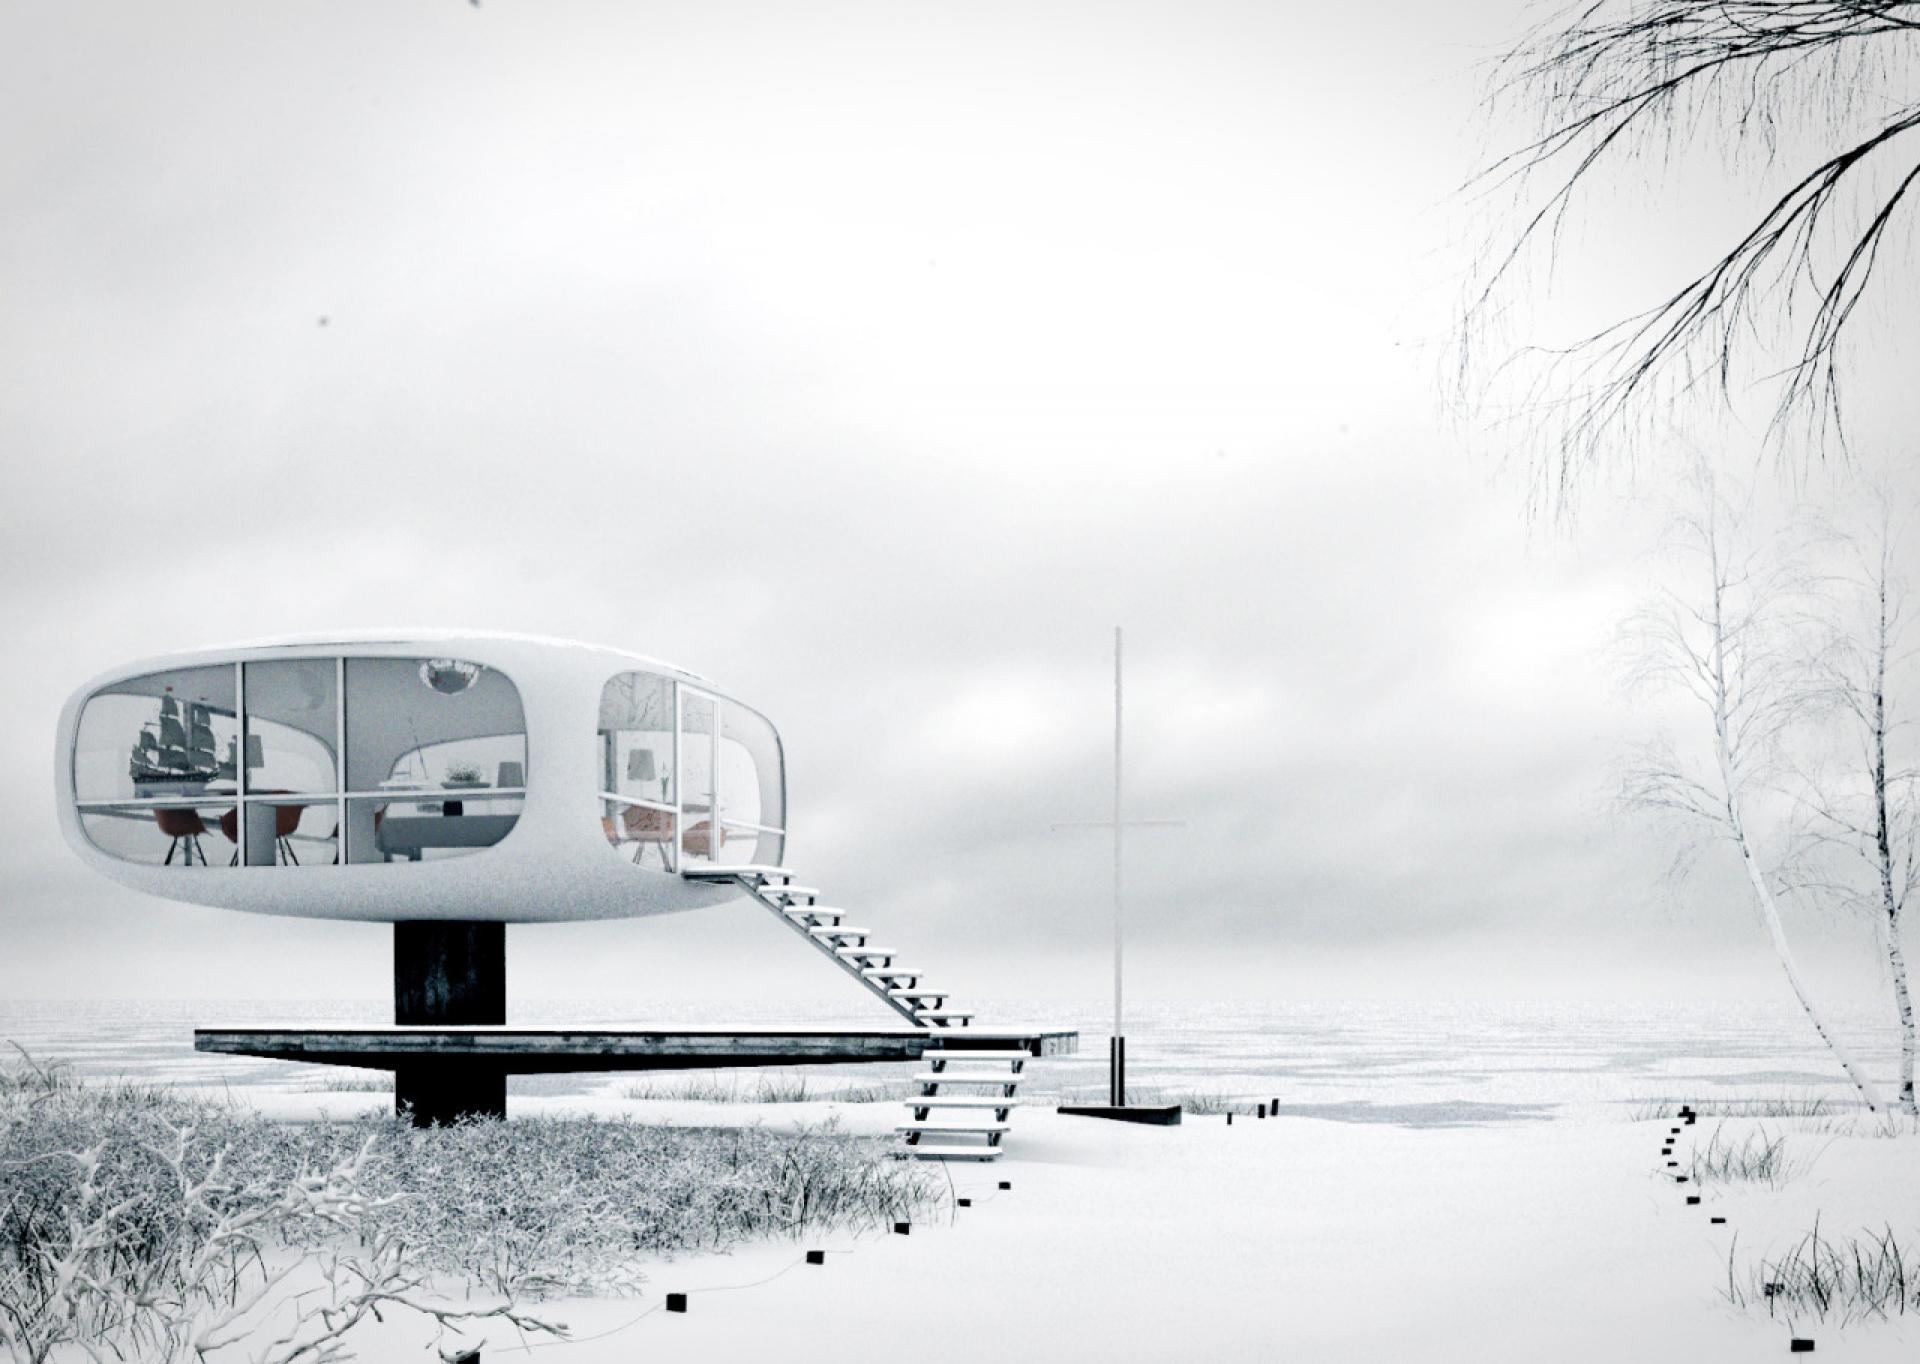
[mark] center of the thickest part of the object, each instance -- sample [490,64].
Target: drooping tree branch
[1613,80]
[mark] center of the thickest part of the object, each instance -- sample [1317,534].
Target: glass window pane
[697,839]
[760,846]
[750,778]
[163,734]
[165,835]
[698,843]
[291,716]
[636,736]
[422,828]
[291,833]
[642,834]
[418,724]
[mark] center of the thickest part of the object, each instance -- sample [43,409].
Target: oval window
[687,777]
[302,763]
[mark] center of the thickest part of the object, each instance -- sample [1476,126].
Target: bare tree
[1867,811]
[1732,648]
[1823,83]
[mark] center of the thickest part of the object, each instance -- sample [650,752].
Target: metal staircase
[845,945]
[965,1126]
[984,1094]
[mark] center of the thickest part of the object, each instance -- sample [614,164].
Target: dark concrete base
[1157,1116]
[442,1092]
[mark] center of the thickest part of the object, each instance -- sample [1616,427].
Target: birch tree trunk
[1887,921]
[1736,824]
[1903,1004]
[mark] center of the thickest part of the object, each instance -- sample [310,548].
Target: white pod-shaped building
[418,775]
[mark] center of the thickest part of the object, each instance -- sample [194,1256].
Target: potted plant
[461,777]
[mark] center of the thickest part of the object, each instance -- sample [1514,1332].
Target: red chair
[700,840]
[642,826]
[184,827]
[286,820]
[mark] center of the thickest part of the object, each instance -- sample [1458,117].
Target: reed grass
[352,1084]
[131,1216]
[759,1087]
[1199,1102]
[1758,1156]
[1803,1106]
[1863,1124]
[1835,1280]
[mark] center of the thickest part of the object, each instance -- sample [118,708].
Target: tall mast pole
[1118,1077]
[1117,1046]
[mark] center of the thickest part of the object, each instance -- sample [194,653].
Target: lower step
[953,1129]
[956,1101]
[925,1152]
[962,1077]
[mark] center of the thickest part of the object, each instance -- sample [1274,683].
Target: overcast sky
[874,359]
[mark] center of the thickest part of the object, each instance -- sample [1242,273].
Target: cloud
[877,369]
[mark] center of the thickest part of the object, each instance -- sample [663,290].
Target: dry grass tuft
[1756,1157]
[1856,1278]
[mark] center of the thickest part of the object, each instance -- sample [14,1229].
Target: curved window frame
[683,820]
[242,801]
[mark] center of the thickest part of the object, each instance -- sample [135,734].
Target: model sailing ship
[176,749]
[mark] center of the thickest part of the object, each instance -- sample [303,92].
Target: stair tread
[924,1152]
[962,1101]
[798,904]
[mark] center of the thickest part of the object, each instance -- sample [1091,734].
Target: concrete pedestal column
[449,973]
[443,1090]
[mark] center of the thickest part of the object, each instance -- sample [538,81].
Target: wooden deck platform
[441,1073]
[533,1051]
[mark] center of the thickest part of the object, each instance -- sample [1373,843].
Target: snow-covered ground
[1444,1186]
[1290,1238]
